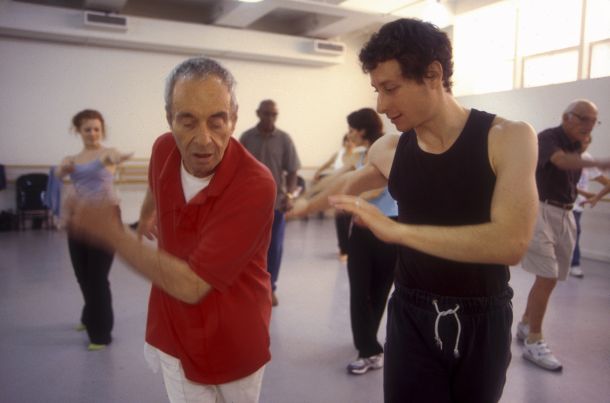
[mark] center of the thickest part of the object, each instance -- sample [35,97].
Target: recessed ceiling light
[250,1]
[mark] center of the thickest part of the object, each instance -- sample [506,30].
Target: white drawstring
[440,314]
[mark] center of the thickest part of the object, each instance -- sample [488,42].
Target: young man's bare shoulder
[387,142]
[504,127]
[510,141]
[381,153]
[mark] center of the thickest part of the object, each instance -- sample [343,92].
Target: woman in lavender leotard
[92,172]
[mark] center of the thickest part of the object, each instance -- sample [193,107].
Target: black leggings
[370,268]
[342,224]
[91,266]
[467,366]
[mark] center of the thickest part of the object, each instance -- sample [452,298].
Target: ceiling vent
[328,47]
[113,22]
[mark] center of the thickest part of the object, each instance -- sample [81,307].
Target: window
[546,25]
[542,69]
[526,43]
[597,26]
[600,59]
[483,62]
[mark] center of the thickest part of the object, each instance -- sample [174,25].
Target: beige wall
[542,107]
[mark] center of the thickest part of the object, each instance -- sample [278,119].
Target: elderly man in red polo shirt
[210,204]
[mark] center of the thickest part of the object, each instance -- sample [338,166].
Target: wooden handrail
[127,173]
[132,172]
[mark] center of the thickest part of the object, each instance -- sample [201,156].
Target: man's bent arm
[573,161]
[169,273]
[146,222]
[503,240]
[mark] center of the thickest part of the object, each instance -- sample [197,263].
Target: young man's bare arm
[373,175]
[353,182]
[503,240]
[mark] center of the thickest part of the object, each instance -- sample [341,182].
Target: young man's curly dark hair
[414,44]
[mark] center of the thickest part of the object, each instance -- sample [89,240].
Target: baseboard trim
[595,255]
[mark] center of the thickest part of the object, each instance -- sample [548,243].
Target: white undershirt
[191,185]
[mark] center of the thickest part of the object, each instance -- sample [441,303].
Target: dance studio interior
[522,60]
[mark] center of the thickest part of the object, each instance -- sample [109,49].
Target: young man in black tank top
[465,186]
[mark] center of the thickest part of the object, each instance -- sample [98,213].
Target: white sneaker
[362,365]
[576,271]
[523,330]
[540,354]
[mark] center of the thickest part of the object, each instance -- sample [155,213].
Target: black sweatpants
[418,370]
[342,224]
[370,268]
[91,266]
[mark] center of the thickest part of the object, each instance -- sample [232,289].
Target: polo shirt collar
[223,175]
[226,169]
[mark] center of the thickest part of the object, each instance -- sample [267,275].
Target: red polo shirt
[223,233]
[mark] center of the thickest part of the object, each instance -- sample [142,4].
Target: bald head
[580,105]
[579,119]
[266,103]
[267,115]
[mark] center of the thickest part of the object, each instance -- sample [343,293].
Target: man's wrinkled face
[578,123]
[202,122]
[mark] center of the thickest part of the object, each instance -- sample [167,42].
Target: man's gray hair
[199,68]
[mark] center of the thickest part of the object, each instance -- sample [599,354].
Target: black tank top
[449,189]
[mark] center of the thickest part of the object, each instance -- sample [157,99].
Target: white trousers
[181,390]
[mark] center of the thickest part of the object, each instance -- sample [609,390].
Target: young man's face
[202,122]
[405,102]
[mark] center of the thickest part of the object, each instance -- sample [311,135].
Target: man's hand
[369,216]
[591,201]
[287,203]
[603,164]
[299,209]
[147,227]
[97,221]
[114,157]
[66,167]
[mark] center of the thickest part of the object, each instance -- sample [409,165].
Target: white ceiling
[323,19]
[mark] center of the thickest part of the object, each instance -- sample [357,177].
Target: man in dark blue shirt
[550,251]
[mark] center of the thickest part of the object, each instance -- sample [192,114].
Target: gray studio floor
[42,359]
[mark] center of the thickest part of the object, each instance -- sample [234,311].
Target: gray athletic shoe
[362,365]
